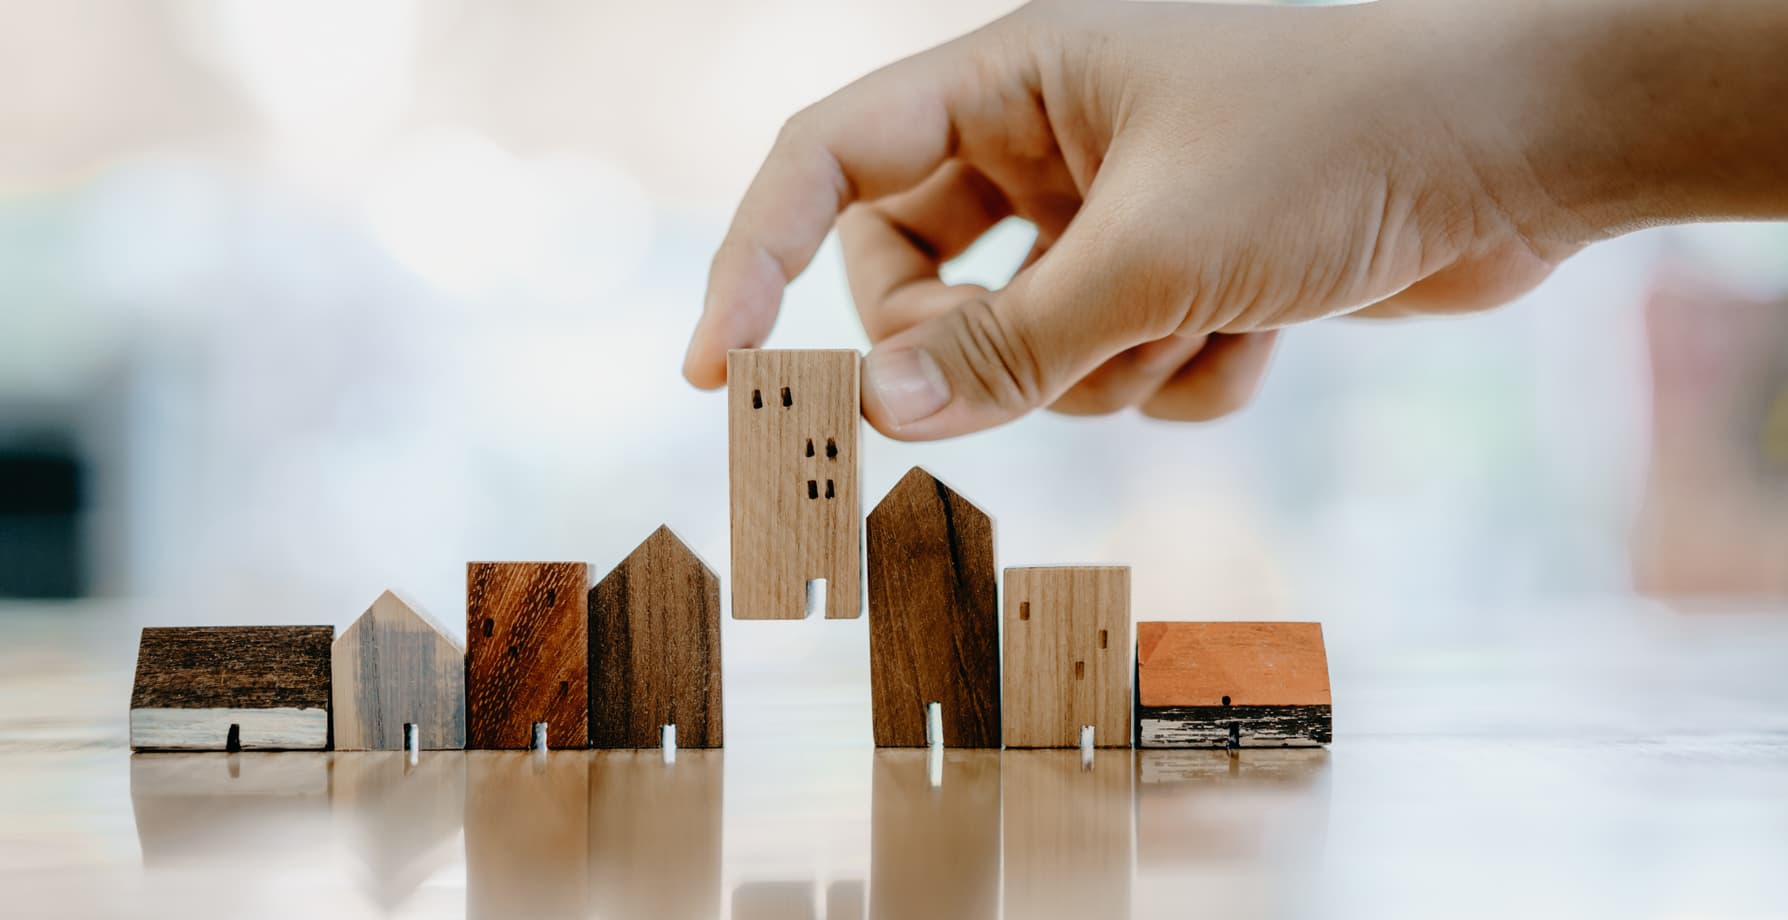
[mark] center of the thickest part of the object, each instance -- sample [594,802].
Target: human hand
[1199,176]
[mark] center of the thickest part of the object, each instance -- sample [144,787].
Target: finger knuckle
[799,128]
[1003,365]
[728,251]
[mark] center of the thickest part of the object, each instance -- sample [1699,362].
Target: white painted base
[209,729]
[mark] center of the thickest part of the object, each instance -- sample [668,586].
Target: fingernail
[908,383]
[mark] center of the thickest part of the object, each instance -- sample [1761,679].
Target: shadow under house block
[792,423]
[1218,684]
[394,667]
[527,653]
[232,688]
[655,649]
[1067,656]
[934,632]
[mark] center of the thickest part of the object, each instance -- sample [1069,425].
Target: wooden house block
[232,688]
[1214,684]
[527,653]
[792,422]
[933,627]
[394,667]
[1067,656]
[655,649]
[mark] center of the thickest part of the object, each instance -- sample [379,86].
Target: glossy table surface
[1637,767]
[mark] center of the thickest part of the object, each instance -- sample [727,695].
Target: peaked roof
[667,540]
[390,604]
[915,484]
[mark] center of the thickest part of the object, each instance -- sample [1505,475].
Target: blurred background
[304,300]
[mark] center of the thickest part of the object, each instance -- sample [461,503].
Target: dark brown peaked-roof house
[655,649]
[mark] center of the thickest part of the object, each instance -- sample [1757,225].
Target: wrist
[1644,112]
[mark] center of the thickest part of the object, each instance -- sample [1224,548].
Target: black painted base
[1239,726]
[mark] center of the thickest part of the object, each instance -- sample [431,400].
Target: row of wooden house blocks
[634,661]
[548,659]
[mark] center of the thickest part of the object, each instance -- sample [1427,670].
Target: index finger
[882,134]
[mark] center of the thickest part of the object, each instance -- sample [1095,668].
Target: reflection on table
[636,834]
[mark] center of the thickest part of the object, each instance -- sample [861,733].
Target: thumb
[1102,288]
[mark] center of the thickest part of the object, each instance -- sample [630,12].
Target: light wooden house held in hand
[792,423]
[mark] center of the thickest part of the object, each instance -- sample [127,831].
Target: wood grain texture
[934,850]
[933,624]
[655,834]
[1069,835]
[1237,726]
[527,653]
[1252,664]
[193,683]
[1214,684]
[213,729]
[1068,657]
[397,665]
[527,834]
[655,649]
[792,423]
